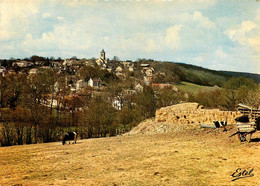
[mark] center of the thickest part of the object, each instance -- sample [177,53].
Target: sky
[214,34]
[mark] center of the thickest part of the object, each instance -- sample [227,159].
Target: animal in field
[224,124]
[69,136]
[220,124]
[216,124]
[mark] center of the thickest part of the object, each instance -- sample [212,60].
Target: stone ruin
[193,113]
[181,117]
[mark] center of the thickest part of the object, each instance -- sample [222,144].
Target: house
[80,84]
[120,75]
[119,69]
[33,71]
[149,72]
[97,83]
[3,71]
[20,63]
[139,88]
[110,68]
[144,65]
[128,64]
[11,71]
[117,103]
[55,63]
[131,69]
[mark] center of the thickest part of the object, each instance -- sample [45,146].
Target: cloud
[220,54]
[240,33]
[15,17]
[46,15]
[254,42]
[60,18]
[247,35]
[203,21]
[172,37]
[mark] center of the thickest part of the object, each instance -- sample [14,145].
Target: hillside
[201,76]
[193,88]
[194,74]
[195,157]
[255,77]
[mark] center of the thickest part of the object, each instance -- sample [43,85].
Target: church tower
[102,54]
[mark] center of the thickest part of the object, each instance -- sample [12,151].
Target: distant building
[119,69]
[128,64]
[33,71]
[102,54]
[139,88]
[131,69]
[80,84]
[97,83]
[148,75]
[117,103]
[20,64]
[3,71]
[145,65]
[102,61]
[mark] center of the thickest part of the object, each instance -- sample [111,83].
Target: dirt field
[198,157]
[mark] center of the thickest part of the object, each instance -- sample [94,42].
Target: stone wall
[192,113]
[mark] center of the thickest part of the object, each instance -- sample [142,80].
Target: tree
[99,118]
[235,83]
[253,98]
[237,89]
[37,58]
[167,96]
[146,102]
[115,58]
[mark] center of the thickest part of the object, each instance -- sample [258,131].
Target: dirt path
[192,158]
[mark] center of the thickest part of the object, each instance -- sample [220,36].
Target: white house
[33,71]
[117,103]
[139,88]
[97,83]
[20,63]
[119,69]
[2,69]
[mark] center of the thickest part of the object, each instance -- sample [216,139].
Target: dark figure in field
[219,124]
[216,124]
[70,136]
[243,119]
[224,124]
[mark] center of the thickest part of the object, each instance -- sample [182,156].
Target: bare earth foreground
[195,157]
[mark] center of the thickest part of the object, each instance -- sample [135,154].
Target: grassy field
[195,157]
[191,87]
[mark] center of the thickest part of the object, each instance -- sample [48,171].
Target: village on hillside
[73,68]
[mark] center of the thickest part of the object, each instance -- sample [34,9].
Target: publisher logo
[242,173]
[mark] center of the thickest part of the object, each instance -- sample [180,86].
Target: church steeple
[102,54]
